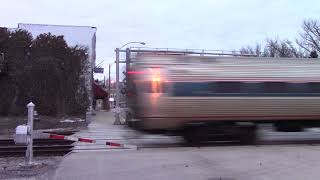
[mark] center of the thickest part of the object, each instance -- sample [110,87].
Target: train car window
[227,87]
[275,87]
[298,88]
[245,89]
[236,88]
[191,89]
[314,87]
[149,87]
[252,88]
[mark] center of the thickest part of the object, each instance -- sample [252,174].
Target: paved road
[285,162]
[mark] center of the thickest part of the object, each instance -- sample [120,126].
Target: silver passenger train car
[189,93]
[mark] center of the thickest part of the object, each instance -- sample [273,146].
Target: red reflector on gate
[55,136]
[113,144]
[86,140]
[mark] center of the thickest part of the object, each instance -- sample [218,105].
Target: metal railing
[201,52]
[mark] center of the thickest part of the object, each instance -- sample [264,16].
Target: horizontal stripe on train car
[247,94]
[203,98]
[232,116]
[245,89]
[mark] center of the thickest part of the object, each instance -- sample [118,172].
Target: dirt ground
[8,124]
[16,167]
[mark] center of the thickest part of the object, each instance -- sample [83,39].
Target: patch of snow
[73,120]
[312,129]
[67,121]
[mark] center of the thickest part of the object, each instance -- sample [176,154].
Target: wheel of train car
[247,134]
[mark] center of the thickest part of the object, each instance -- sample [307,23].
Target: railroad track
[65,133]
[182,144]
[61,148]
[185,145]
[56,147]
[41,147]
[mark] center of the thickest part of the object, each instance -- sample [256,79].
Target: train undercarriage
[244,132]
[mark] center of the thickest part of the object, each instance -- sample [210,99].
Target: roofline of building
[55,25]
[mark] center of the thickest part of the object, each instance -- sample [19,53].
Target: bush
[44,70]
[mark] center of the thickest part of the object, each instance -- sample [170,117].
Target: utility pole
[104,81]
[109,83]
[117,121]
[127,61]
[109,88]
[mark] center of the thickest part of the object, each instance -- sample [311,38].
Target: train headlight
[156,80]
[156,75]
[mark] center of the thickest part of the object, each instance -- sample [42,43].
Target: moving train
[200,96]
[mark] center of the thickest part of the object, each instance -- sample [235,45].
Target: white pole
[29,152]
[117,99]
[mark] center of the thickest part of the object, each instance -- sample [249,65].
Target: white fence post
[29,152]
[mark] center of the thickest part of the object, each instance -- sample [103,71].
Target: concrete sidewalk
[102,129]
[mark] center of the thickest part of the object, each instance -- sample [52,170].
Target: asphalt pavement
[285,162]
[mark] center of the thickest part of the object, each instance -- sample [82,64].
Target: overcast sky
[199,24]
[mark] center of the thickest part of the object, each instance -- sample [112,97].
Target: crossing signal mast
[127,61]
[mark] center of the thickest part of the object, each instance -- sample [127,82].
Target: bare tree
[251,50]
[307,45]
[257,49]
[313,54]
[281,48]
[273,48]
[246,50]
[310,36]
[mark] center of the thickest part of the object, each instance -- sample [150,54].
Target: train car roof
[153,58]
